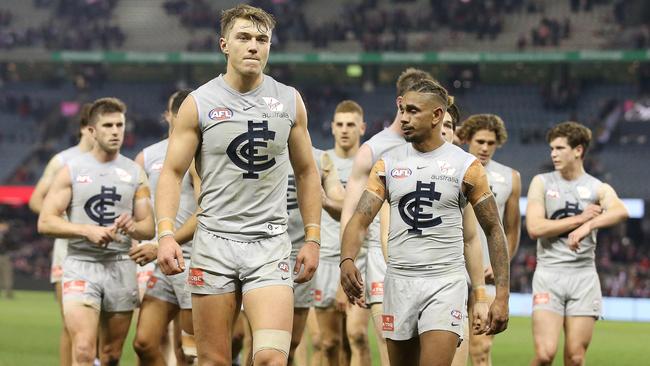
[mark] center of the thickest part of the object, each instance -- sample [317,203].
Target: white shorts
[109,286]
[59,252]
[375,273]
[303,293]
[568,293]
[170,289]
[144,273]
[416,305]
[326,282]
[220,265]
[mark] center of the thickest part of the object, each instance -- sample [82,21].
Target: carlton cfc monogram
[410,207]
[97,206]
[243,152]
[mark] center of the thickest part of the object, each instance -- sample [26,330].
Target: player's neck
[572,171]
[346,154]
[104,156]
[396,126]
[86,144]
[242,83]
[428,145]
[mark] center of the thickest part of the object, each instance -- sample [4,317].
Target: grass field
[30,324]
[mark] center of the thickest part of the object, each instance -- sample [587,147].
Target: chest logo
[220,114]
[411,207]
[399,173]
[243,150]
[99,207]
[446,168]
[273,104]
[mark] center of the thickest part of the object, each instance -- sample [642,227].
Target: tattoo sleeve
[368,206]
[488,216]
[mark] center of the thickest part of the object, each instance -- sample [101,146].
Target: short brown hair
[430,86]
[177,99]
[575,133]
[454,112]
[408,77]
[263,20]
[348,106]
[105,105]
[477,122]
[84,115]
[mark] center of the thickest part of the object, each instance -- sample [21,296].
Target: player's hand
[125,224]
[351,281]
[341,300]
[480,318]
[489,275]
[576,236]
[170,256]
[497,317]
[590,212]
[306,262]
[100,235]
[144,253]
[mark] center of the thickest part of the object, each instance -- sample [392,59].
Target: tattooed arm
[355,231]
[477,190]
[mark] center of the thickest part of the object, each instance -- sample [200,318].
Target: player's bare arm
[183,142]
[308,191]
[512,215]
[384,229]
[538,226]
[614,211]
[355,231]
[356,184]
[43,185]
[185,233]
[477,190]
[332,188]
[474,264]
[51,222]
[140,226]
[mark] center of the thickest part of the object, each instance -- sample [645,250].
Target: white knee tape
[275,339]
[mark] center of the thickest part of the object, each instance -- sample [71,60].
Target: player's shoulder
[270,82]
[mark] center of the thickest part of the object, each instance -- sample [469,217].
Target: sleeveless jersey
[100,193]
[64,157]
[68,154]
[154,156]
[426,210]
[562,199]
[296,227]
[500,179]
[379,144]
[330,228]
[243,158]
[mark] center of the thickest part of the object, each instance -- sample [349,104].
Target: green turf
[30,324]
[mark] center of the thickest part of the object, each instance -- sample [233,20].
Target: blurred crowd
[72,25]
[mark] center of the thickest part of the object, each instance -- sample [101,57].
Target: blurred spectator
[7,244]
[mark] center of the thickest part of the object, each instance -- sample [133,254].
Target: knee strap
[275,339]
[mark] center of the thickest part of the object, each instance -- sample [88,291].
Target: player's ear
[398,101]
[223,45]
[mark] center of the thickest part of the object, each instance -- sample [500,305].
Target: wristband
[165,233]
[312,240]
[312,231]
[480,294]
[165,225]
[345,259]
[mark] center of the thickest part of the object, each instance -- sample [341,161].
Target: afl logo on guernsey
[220,114]
[399,173]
